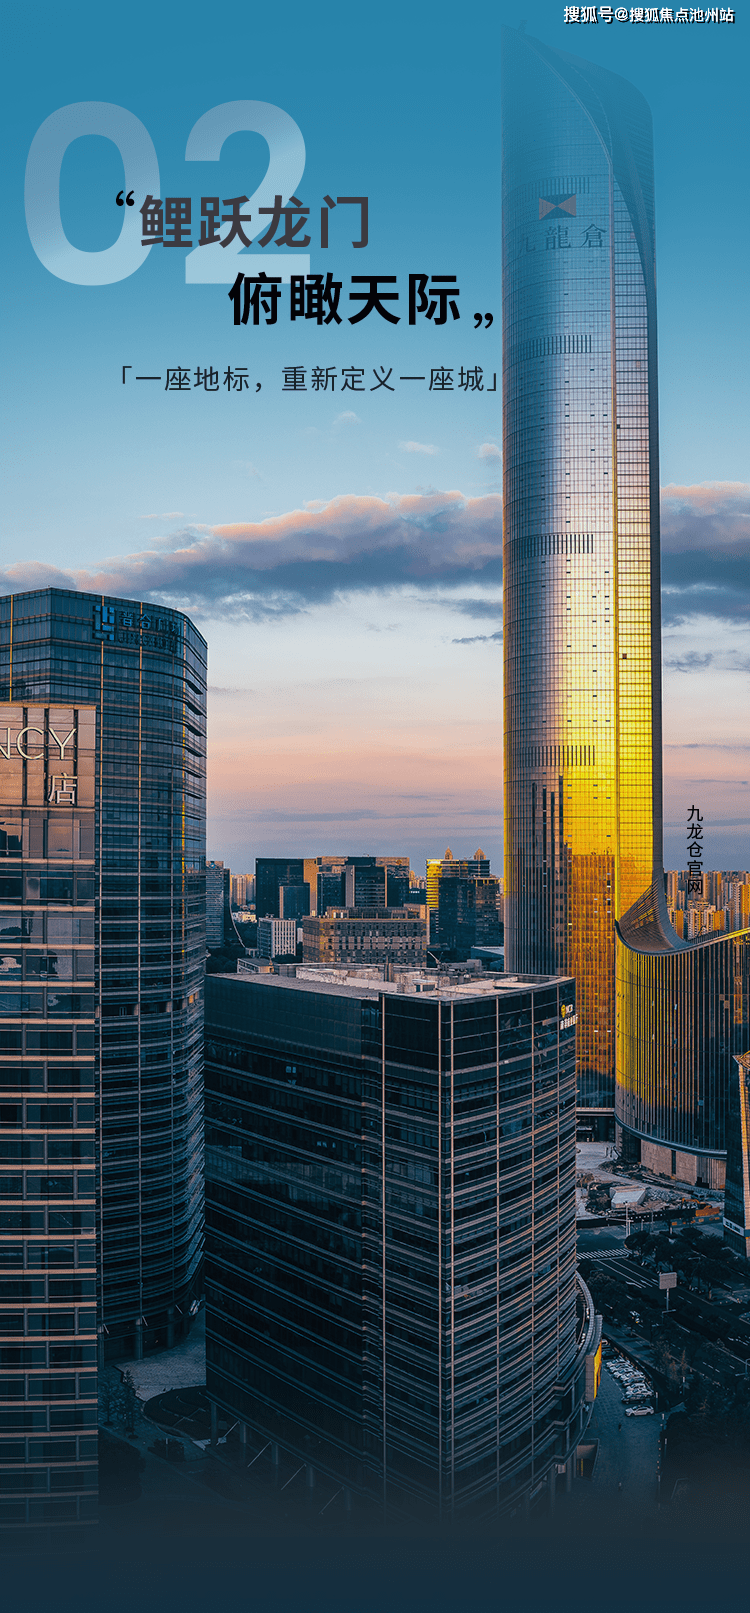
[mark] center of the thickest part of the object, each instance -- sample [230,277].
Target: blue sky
[366,714]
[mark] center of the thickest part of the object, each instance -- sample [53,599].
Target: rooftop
[369,983]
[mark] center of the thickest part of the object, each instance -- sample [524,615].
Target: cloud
[348,418]
[705,531]
[435,540]
[481,638]
[279,566]
[169,515]
[478,608]
[690,662]
[489,450]
[418,448]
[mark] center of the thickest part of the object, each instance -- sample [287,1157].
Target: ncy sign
[21,743]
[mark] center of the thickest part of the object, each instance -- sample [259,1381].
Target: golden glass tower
[581,612]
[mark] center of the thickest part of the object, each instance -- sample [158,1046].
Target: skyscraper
[102,913]
[581,530]
[584,886]
[390,1271]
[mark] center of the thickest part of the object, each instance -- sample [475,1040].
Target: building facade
[217,900]
[277,938]
[332,881]
[366,936]
[683,1017]
[737,1196]
[468,914]
[581,529]
[48,1089]
[391,1289]
[102,773]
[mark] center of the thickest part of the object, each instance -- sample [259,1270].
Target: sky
[341,549]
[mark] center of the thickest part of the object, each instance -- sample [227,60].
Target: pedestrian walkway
[183,1367]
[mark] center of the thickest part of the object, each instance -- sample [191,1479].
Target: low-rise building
[366,935]
[277,938]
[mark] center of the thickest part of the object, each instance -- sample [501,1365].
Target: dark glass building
[102,910]
[390,1281]
[467,914]
[48,1088]
[270,874]
[581,611]
[737,1197]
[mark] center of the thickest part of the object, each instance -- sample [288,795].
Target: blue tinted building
[102,927]
[390,1282]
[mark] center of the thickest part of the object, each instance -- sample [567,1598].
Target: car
[639,1411]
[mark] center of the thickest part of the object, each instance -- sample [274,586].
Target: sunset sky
[341,550]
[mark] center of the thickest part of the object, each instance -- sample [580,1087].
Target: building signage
[150,629]
[33,749]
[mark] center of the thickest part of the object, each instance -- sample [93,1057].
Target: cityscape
[349,1196]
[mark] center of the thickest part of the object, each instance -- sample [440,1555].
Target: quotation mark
[128,199]
[478,320]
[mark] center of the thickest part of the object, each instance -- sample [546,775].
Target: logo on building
[150,629]
[557,207]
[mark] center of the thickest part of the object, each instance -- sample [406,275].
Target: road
[621,1497]
[710,1319]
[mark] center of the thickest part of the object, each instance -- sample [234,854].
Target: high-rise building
[450,867]
[584,886]
[217,899]
[294,901]
[270,874]
[468,913]
[333,882]
[242,890]
[102,911]
[581,529]
[390,1281]
[737,1196]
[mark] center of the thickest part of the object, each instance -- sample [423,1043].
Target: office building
[332,881]
[737,1195]
[217,899]
[450,867]
[683,1017]
[366,936]
[102,910]
[390,1282]
[242,890]
[294,901]
[581,615]
[277,938]
[468,914]
[270,874]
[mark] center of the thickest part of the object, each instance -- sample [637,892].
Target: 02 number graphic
[212,264]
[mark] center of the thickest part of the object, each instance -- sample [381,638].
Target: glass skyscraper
[390,1232]
[660,1020]
[581,612]
[102,916]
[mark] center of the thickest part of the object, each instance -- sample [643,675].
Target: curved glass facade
[581,538]
[683,1016]
[390,1256]
[142,670]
